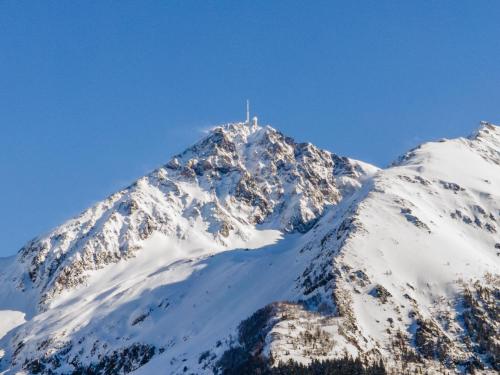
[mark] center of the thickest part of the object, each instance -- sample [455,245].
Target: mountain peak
[237,178]
[346,258]
[487,130]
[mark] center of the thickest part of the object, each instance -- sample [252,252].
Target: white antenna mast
[248,112]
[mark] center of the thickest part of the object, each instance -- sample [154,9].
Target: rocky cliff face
[249,248]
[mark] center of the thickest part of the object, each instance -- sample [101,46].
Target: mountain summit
[249,250]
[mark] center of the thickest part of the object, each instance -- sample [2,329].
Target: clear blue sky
[93,94]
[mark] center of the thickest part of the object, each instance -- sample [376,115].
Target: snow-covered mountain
[251,248]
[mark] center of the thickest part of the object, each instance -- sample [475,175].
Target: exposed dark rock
[481,318]
[490,228]
[409,298]
[451,186]
[381,293]
[479,209]
[129,207]
[124,361]
[407,213]
[120,361]
[173,164]
[431,342]
[139,319]
[360,278]
[225,228]
[415,179]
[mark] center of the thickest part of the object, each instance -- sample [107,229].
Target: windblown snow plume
[249,250]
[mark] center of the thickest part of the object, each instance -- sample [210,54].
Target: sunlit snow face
[169,267]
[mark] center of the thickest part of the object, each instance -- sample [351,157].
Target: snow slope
[422,230]
[329,254]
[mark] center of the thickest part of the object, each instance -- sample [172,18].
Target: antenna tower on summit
[248,113]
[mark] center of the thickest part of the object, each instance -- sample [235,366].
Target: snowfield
[9,320]
[250,241]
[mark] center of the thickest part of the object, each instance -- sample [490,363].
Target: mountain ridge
[200,168]
[327,262]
